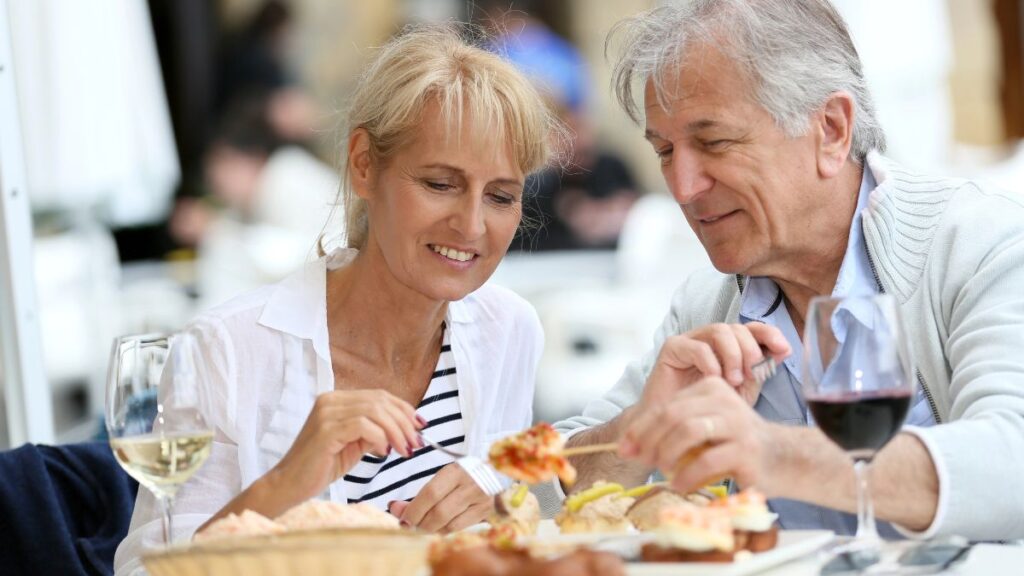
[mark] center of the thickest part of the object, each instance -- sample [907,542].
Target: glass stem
[867,531]
[165,507]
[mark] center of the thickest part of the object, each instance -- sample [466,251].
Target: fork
[476,468]
[764,368]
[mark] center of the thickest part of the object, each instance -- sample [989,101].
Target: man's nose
[687,177]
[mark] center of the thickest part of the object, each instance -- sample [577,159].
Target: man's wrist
[782,462]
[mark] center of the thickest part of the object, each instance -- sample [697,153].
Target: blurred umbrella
[94,117]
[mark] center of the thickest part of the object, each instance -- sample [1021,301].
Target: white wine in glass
[162,463]
[154,414]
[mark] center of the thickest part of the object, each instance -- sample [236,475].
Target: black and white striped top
[381,480]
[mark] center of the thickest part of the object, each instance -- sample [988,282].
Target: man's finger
[682,353]
[710,465]
[771,338]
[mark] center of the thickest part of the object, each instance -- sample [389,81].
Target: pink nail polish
[422,421]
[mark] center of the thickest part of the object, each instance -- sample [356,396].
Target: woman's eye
[439,186]
[503,199]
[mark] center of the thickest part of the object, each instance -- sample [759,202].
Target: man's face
[744,186]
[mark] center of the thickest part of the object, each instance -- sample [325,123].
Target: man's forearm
[605,465]
[904,483]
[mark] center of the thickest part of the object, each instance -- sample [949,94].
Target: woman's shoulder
[239,311]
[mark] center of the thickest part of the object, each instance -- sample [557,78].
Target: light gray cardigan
[952,253]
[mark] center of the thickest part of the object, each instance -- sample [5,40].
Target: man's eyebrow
[649,134]
[699,125]
[695,126]
[461,172]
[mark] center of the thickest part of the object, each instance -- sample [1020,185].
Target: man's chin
[730,264]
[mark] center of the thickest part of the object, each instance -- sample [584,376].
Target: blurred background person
[583,205]
[262,209]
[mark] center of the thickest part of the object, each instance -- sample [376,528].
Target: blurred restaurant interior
[157,158]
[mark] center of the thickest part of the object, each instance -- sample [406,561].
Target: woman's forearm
[265,496]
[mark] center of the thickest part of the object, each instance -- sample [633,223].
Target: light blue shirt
[782,398]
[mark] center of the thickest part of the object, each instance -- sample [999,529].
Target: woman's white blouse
[267,357]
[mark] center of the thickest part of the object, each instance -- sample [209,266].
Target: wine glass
[858,383]
[153,413]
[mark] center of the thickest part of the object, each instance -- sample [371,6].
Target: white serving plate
[792,545]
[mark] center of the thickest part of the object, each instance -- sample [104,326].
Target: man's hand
[726,351]
[450,501]
[702,433]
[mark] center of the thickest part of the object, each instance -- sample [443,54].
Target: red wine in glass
[858,381]
[861,423]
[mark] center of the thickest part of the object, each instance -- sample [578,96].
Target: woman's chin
[450,291]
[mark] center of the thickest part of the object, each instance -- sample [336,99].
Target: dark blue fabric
[63,509]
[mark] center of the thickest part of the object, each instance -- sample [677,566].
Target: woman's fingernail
[391,503]
[404,524]
[736,376]
[408,450]
[422,421]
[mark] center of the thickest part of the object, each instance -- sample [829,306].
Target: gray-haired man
[766,133]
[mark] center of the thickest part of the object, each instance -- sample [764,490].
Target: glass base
[851,555]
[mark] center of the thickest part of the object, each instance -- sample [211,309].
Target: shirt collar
[855,276]
[298,304]
[761,296]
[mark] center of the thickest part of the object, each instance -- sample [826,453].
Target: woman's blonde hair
[435,62]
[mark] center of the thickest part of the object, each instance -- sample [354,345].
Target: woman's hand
[343,426]
[450,501]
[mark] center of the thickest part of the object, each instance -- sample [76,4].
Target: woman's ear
[360,163]
[835,133]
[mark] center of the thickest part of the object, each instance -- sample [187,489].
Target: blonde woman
[396,335]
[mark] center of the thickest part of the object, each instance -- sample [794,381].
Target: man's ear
[834,126]
[360,163]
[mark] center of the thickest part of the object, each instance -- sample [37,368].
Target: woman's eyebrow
[461,172]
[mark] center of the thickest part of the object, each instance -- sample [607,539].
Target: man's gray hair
[797,53]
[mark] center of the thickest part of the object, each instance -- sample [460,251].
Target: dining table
[982,560]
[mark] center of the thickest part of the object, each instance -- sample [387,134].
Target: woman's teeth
[453,254]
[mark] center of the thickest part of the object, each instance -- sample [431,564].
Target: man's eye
[665,154]
[715,144]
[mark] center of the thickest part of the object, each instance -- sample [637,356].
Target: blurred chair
[590,335]
[65,509]
[657,251]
